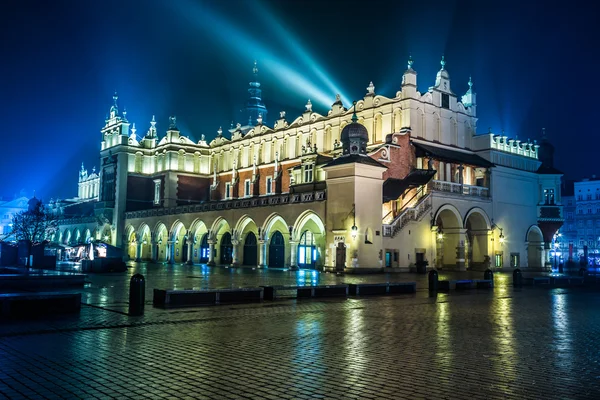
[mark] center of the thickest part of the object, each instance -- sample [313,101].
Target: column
[294,255]
[234,253]
[190,252]
[211,252]
[154,247]
[460,250]
[262,254]
[170,252]
[138,251]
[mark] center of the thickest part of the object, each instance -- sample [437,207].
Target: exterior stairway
[408,214]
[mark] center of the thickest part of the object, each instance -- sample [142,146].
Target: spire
[255,71]
[470,83]
[152,131]
[114,110]
[443,63]
[173,123]
[354,117]
[133,130]
[82,168]
[410,62]
[255,104]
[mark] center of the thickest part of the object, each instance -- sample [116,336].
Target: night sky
[532,67]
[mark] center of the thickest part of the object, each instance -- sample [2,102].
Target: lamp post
[354,231]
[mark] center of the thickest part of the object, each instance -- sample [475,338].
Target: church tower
[255,108]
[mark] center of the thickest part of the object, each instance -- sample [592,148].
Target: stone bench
[270,292]
[360,289]
[198,297]
[464,284]
[39,303]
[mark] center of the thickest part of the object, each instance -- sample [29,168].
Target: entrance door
[388,259]
[226,249]
[250,250]
[204,249]
[307,251]
[184,249]
[276,251]
[340,256]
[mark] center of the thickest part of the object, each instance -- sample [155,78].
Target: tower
[255,107]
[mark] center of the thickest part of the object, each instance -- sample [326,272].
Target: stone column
[294,255]
[138,251]
[170,252]
[190,252]
[154,248]
[460,250]
[262,254]
[211,253]
[234,253]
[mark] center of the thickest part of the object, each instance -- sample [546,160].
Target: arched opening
[87,236]
[160,242]
[203,250]
[106,235]
[307,250]
[535,247]
[76,236]
[250,250]
[226,249]
[146,245]
[131,242]
[179,243]
[449,225]
[476,246]
[276,251]
[67,237]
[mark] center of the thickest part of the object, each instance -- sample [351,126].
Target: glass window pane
[301,254]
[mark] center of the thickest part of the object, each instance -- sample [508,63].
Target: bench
[465,284]
[540,280]
[198,297]
[39,303]
[360,289]
[270,292]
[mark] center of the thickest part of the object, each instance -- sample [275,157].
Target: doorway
[276,251]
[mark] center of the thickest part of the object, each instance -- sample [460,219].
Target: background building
[390,182]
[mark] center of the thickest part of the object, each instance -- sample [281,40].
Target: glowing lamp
[440,234]
[501,237]
[354,231]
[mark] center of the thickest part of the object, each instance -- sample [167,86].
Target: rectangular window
[579,197]
[514,260]
[589,210]
[228,190]
[308,173]
[549,196]
[157,192]
[589,196]
[269,185]
[499,260]
[247,187]
[570,202]
[445,100]
[569,215]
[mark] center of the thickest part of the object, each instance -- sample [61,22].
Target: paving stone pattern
[506,343]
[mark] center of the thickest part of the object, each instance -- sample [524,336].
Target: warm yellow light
[354,231]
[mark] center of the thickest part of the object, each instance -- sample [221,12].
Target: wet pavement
[533,343]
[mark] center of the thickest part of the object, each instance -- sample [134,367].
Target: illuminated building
[386,183]
[8,209]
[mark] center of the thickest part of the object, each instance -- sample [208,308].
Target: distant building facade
[388,182]
[8,209]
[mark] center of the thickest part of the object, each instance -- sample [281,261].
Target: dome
[354,131]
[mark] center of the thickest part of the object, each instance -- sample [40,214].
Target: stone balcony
[550,213]
[250,202]
[459,189]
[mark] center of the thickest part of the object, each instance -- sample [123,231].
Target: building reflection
[562,335]
[503,354]
[355,343]
[307,357]
[444,355]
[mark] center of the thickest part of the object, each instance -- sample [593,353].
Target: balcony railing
[407,215]
[459,189]
[550,213]
[273,200]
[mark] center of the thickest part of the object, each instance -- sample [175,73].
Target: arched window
[276,251]
[204,249]
[226,249]
[250,249]
[307,251]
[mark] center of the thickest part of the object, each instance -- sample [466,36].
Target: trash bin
[137,294]
[433,280]
[517,278]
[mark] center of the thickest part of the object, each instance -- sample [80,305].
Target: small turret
[442,79]
[409,80]
[255,105]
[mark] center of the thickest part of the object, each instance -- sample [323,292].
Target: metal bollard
[433,280]
[583,272]
[137,295]
[517,278]
[489,275]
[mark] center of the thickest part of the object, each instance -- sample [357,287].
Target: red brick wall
[192,189]
[402,158]
[140,192]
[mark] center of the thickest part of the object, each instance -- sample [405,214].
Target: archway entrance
[477,253]
[204,249]
[226,249]
[276,251]
[448,235]
[535,247]
[307,250]
[184,247]
[250,249]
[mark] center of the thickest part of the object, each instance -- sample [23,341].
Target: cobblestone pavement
[504,343]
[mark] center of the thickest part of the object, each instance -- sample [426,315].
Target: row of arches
[75,236]
[274,243]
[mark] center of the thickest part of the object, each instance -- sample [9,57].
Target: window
[579,197]
[445,100]
[588,197]
[269,185]
[581,242]
[498,259]
[247,187]
[308,173]
[590,222]
[589,210]
[479,182]
[570,202]
[157,192]
[569,215]
[580,211]
[548,196]
[514,260]
[228,190]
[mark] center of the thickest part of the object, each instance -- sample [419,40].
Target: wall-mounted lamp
[440,233]
[354,232]
[501,237]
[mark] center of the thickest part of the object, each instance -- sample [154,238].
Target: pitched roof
[355,158]
[393,188]
[450,155]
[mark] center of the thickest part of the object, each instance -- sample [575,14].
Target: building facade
[388,182]
[8,209]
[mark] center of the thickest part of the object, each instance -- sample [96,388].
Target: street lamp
[354,231]
[501,237]
[440,233]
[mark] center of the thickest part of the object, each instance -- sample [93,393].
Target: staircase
[414,213]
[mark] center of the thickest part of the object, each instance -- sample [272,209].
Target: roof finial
[115,97]
[470,83]
[220,132]
[255,68]
[410,61]
[153,122]
[133,129]
[308,106]
[371,89]
[354,117]
[443,62]
[82,168]
[544,133]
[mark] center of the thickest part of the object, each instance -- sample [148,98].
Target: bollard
[489,275]
[517,278]
[583,272]
[433,281]
[137,295]
[560,268]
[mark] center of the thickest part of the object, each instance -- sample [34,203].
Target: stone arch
[450,227]
[66,236]
[397,120]
[535,247]
[198,230]
[130,240]
[145,237]
[178,243]
[477,225]
[219,230]
[309,221]
[275,223]
[245,234]
[160,237]
[87,236]
[377,127]
[76,236]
